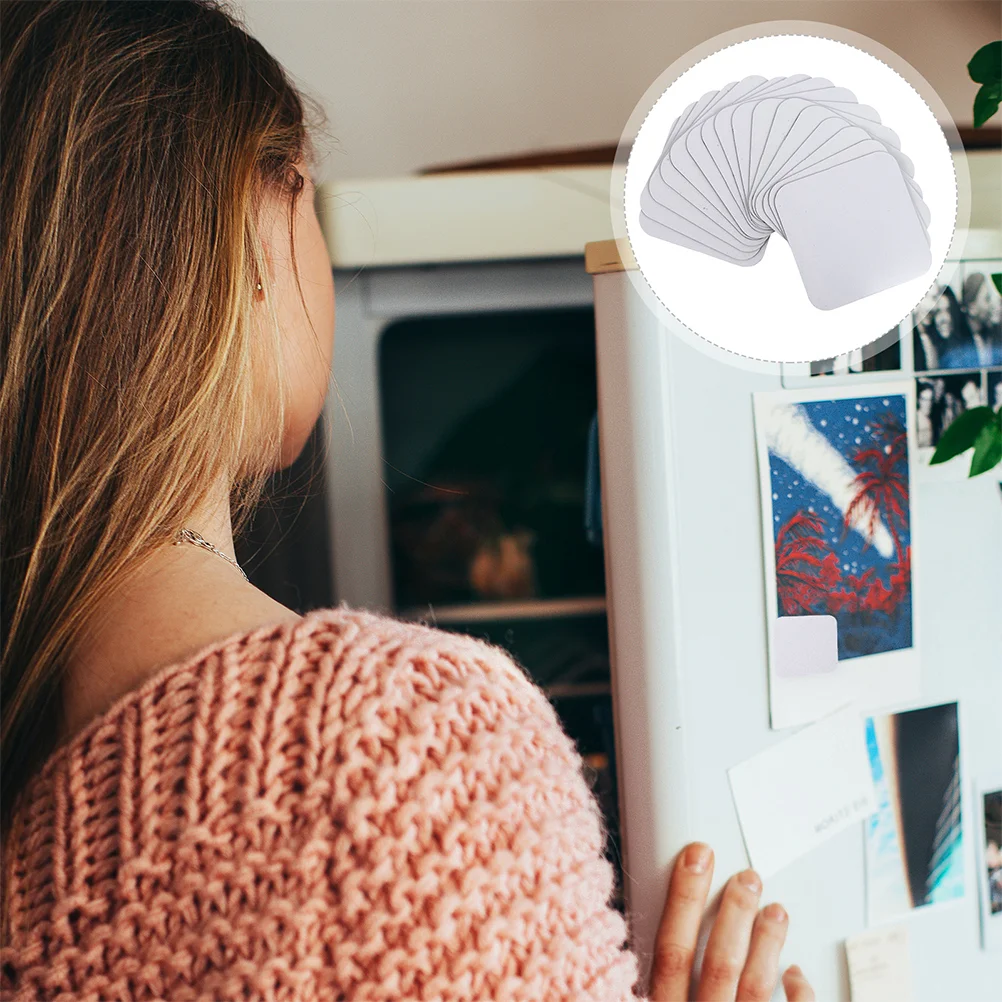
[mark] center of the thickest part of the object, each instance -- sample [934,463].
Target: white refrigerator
[688,625]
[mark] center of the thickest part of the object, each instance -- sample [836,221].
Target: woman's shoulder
[299,715]
[378,652]
[333,667]
[379,770]
[418,679]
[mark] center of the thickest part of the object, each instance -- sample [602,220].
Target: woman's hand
[742,954]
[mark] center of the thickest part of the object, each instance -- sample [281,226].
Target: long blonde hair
[139,139]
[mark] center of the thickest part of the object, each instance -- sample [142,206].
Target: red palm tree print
[881,486]
[815,572]
[804,574]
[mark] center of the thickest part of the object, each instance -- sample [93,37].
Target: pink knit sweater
[347,807]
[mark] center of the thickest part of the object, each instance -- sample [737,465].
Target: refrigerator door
[687,619]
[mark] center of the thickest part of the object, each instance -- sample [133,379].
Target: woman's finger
[796,986]
[678,932]
[727,947]
[758,979]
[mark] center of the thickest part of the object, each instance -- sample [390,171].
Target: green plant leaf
[987,447]
[961,434]
[997,279]
[986,64]
[986,103]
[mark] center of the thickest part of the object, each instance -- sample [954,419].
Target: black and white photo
[988,803]
[982,307]
[940,399]
[942,338]
[885,360]
[962,325]
[993,394]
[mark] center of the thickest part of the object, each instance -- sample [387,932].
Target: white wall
[412,83]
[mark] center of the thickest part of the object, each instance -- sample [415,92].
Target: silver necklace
[190,536]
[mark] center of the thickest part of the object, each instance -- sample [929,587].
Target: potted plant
[979,428]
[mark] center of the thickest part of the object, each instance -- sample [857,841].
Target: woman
[942,339]
[970,392]
[995,390]
[926,431]
[956,346]
[926,338]
[983,309]
[206,795]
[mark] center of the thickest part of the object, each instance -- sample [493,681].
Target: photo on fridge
[835,469]
[914,840]
[940,399]
[993,390]
[988,804]
[962,328]
[982,307]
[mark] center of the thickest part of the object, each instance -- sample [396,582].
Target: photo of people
[940,400]
[888,358]
[982,307]
[942,338]
[994,390]
[993,849]
[989,804]
[961,325]
[914,840]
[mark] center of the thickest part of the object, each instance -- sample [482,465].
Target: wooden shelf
[984,138]
[529,608]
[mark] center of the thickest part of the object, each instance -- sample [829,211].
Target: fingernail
[795,971]
[697,857]
[774,913]
[749,878]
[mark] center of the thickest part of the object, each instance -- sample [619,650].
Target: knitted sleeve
[468,848]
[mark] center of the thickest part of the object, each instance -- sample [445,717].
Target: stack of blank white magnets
[801,157]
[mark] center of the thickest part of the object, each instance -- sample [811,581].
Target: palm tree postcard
[836,465]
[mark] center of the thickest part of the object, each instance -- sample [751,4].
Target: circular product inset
[788,197]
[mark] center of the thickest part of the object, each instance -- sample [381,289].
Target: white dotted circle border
[875,345]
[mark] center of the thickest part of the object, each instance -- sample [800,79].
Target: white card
[680,234]
[800,792]
[718,136]
[879,965]
[707,157]
[730,155]
[754,89]
[668,188]
[845,145]
[748,89]
[678,185]
[805,645]
[800,136]
[853,230]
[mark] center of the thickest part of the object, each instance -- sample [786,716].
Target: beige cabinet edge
[520,215]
